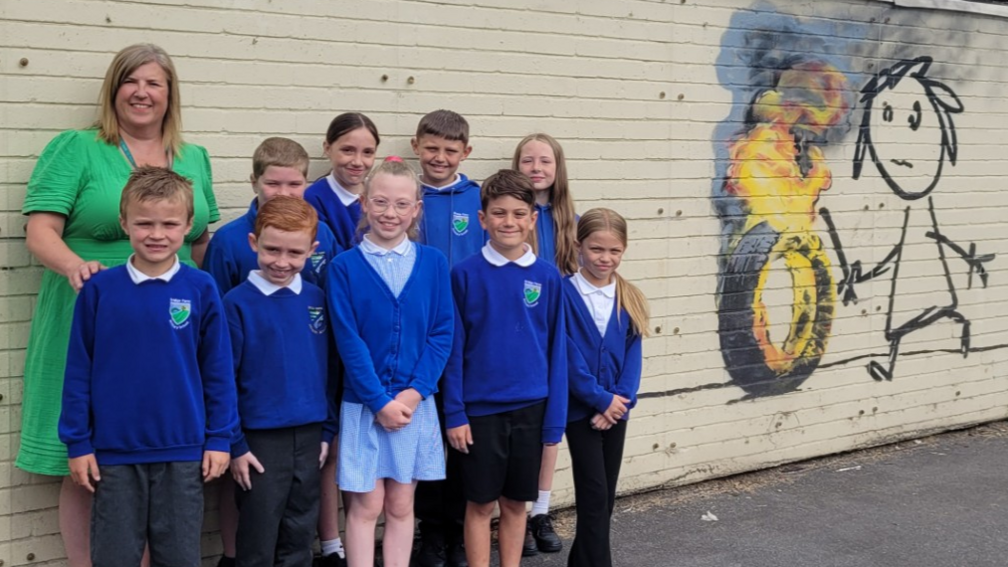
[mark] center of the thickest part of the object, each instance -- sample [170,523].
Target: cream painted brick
[589,73]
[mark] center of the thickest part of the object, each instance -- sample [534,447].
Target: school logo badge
[532,293]
[179,309]
[318,261]
[460,223]
[316,320]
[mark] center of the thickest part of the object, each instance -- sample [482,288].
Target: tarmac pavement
[937,502]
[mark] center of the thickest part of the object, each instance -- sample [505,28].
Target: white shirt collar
[139,277]
[587,288]
[494,257]
[369,247]
[269,288]
[443,187]
[345,197]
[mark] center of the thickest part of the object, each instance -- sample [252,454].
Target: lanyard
[129,155]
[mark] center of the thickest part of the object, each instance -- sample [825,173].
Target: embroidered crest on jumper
[460,223]
[316,320]
[532,293]
[179,309]
[318,261]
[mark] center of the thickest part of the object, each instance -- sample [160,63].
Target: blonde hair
[395,166]
[563,206]
[628,296]
[123,64]
[148,183]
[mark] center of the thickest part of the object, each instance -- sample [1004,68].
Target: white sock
[333,546]
[541,505]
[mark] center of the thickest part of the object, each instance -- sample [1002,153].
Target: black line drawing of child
[908,132]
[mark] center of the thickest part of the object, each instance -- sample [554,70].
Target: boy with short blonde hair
[149,391]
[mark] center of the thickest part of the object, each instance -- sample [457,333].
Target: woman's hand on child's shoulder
[394,416]
[460,438]
[241,469]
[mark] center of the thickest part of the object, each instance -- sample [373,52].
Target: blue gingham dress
[367,451]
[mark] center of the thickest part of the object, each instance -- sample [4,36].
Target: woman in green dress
[73,229]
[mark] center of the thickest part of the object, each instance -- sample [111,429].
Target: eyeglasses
[401,208]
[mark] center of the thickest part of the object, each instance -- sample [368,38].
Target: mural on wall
[795,94]
[775,172]
[908,132]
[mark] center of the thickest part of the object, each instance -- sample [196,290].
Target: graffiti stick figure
[904,111]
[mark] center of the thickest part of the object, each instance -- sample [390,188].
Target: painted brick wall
[660,108]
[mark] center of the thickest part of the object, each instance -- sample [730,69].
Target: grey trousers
[277,518]
[159,504]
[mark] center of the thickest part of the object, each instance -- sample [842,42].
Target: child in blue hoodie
[149,391]
[451,205]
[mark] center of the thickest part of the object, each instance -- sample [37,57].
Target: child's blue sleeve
[75,418]
[330,248]
[555,420]
[628,381]
[583,384]
[217,371]
[334,379]
[360,373]
[236,328]
[219,262]
[432,360]
[454,405]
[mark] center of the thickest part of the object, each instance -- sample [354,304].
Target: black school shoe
[455,554]
[226,561]
[529,548]
[431,553]
[331,560]
[542,531]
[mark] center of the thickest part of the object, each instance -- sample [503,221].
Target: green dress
[80,176]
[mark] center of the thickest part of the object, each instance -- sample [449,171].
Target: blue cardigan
[599,367]
[341,219]
[149,376]
[229,258]
[389,344]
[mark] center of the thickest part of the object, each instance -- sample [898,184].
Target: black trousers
[596,457]
[277,518]
[440,505]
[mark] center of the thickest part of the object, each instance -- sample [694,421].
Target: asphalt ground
[941,501]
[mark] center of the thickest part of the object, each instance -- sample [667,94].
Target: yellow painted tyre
[755,361]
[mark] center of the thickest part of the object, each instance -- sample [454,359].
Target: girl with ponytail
[606,318]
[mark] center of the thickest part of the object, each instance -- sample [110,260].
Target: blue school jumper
[149,376]
[546,234]
[334,211]
[377,333]
[510,345]
[280,345]
[450,220]
[599,366]
[229,258]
